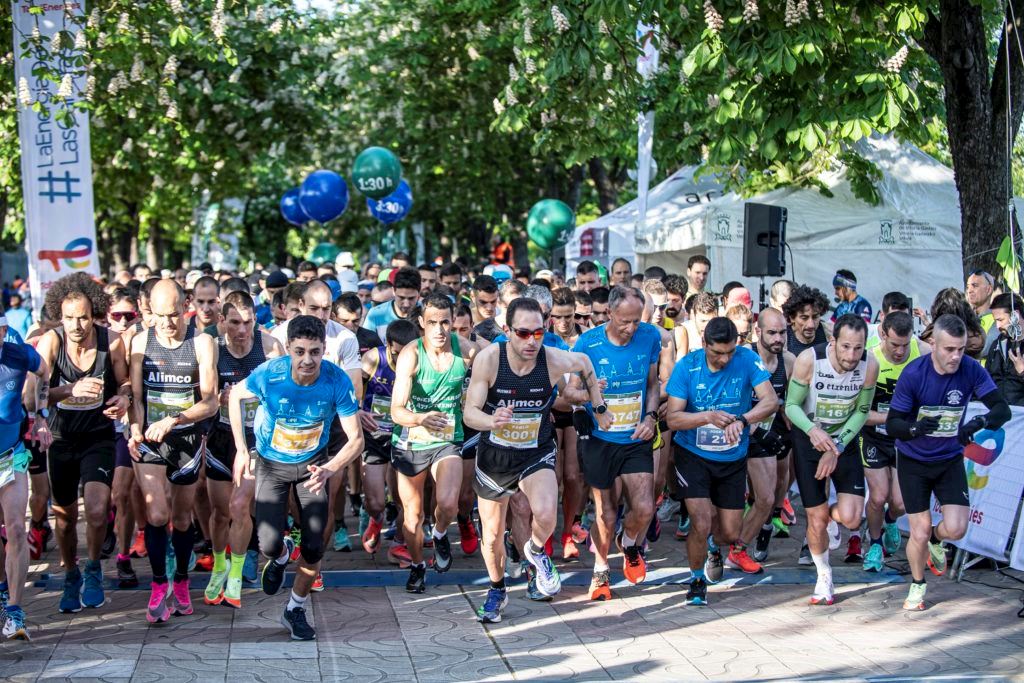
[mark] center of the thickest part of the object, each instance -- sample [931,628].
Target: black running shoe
[273,572]
[110,542]
[764,537]
[126,576]
[442,554]
[417,582]
[295,621]
[698,593]
[511,551]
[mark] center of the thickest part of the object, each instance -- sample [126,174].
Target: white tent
[909,242]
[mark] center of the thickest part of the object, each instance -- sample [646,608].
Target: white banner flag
[56,165]
[646,66]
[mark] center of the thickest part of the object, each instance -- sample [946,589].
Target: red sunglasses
[125,316]
[537,334]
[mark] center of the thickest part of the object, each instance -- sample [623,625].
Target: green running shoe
[873,558]
[915,598]
[214,593]
[233,593]
[781,530]
[891,538]
[937,558]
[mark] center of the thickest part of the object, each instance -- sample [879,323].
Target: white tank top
[833,394]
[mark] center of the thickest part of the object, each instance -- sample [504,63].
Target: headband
[840,281]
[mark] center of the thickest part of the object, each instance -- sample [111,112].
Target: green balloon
[377,172]
[325,252]
[550,223]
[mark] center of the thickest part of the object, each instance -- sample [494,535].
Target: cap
[500,272]
[347,287]
[365,284]
[739,295]
[344,260]
[192,277]
[385,275]
[348,277]
[277,279]
[335,288]
[545,275]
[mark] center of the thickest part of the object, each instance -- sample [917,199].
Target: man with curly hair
[803,311]
[89,390]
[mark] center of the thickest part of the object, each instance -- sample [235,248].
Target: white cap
[545,274]
[192,277]
[344,260]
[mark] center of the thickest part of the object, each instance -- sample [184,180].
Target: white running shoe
[824,591]
[835,536]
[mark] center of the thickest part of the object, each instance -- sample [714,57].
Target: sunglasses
[537,334]
[123,316]
[582,316]
[985,274]
[661,307]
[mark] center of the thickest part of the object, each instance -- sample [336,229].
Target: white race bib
[712,439]
[522,432]
[949,419]
[625,411]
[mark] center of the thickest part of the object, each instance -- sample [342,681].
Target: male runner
[90,388]
[709,407]
[698,268]
[676,285]
[927,418]
[299,395]
[241,349]
[898,347]
[891,303]
[689,336]
[485,298]
[587,277]
[426,406]
[621,272]
[803,310]
[827,402]
[173,371]
[509,401]
[599,306]
[206,303]
[625,354]
[979,295]
[845,285]
[402,307]
[17,360]
[584,309]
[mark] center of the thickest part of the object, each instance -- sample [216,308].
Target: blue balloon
[323,195]
[394,207]
[291,211]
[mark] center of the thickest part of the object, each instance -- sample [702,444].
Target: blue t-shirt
[625,368]
[19,320]
[729,390]
[16,361]
[293,422]
[921,392]
[13,336]
[858,306]
[550,339]
[379,317]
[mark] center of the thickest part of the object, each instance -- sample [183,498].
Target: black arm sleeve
[998,410]
[898,425]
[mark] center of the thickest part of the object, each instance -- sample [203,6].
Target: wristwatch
[743,419]
[43,413]
[601,409]
[652,414]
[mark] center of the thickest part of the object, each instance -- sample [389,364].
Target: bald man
[173,372]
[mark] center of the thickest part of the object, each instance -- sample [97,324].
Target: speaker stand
[763,295]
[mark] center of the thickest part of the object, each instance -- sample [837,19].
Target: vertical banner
[646,66]
[56,165]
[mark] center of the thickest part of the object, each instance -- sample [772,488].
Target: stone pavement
[755,628]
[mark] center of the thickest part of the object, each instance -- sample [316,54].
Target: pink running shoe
[182,600]
[158,612]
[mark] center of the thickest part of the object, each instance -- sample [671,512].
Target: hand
[133,442]
[41,433]
[225,395]
[158,430]
[318,477]
[925,426]
[719,418]
[826,465]
[435,420]
[118,406]
[822,442]
[501,416]
[87,387]
[604,420]
[920,313]
[602,384]
[969,429]
[733,431]
[646,430]
[242,469]
[368,422]
[1018,360]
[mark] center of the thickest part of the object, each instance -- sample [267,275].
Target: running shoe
[667,509]
[788,514]
[915,597]
[341,542]
[389,532]
[180,598]
[251,566]
[739,559]
[442,554]
[110,540]
[490,611]
[14,624]
[873,561]
[273,571]
[512,557]
[36,542]
[5,595]
[417,582]
[579,534]
[214,593]
[92,591]
[364,521]
[588,518]
[204,562]
[233,593]
[371,536]
[891,538]
[937,558]
[683,528]
[548,580]
[138,549]
[600,588]
[428,535]
[835,536]
[698,592]
[71,598]
[805,558]
[781,528]
[295,621]
[532,593]
[764,539]
[295,533]
[633,565]
[469,539]
[318,583]
[654,529]
[157,611]
[398,554]
[569,550]
[854,552]
[126,576]
[824,592]
[713,568]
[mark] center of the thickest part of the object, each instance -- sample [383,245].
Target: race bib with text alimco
[949,419]
[161,404]
[294,440]
[249,407]
[522,432]
[712,439]
[421,435]
[625,410]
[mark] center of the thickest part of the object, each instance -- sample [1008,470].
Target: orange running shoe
[318,583]
[399,554]
[371,537]
[633,565]
[569,550]
[138,548]
[599,588]
[468,537]
[739,559]
[788,514]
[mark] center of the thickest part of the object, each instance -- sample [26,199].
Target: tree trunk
[607,193]
[977,120]
[154,248]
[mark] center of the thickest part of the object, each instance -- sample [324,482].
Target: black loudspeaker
[764,240]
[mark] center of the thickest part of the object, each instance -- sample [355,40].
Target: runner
[174,388]
[803,310]
[625,355]
[485,298]
[698,268]
[299,395]
[891,303]
[689,336]
[18,360]
[402,307]
[206,303]
[563,324]
[676,285]
[584,309]
[241,349]
[898,347]
[709,407]
[90,388]
[979,294]
[621,272]
[927,418]
[509,401]
[827,401]
[427,411]
[845,285]
[599,306]
[489,328]
[348,312]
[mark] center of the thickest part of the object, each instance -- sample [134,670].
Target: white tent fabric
[909,242]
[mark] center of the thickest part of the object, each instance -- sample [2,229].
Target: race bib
[767,424]
[161,404]
[296,440]
[883,408]
[625,411]
[421,435]
[712,439]
[7,469]
[521,432]
[833,410]
[949,419]
[81,403]
[249,407]
[380,406]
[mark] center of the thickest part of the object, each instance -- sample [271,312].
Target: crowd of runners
[209,422]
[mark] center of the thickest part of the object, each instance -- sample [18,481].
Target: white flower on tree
[560,20]
[896,62]
[750,11]
[712,18]
[24,94]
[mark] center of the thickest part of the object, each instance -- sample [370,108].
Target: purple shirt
[922,392]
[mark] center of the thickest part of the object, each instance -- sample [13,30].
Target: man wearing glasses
[979,295]
[584,309]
